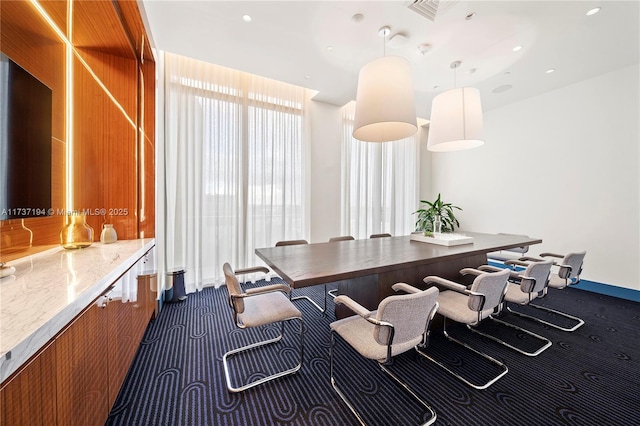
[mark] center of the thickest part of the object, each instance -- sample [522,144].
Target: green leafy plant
[430,210]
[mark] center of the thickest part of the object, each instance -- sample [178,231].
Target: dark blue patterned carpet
[589,377]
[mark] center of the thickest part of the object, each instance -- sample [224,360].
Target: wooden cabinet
[122,346]
[29,398]
[76,378]
[81,370]
[127,322]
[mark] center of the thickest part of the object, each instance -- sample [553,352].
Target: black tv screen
[25,143]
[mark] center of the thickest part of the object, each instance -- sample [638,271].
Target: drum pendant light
[385,104]
[456,120]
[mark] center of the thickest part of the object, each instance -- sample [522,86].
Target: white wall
[325,153]
[562,166]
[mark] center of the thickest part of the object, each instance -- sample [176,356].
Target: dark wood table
[366,269]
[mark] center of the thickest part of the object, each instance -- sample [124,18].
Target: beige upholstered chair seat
[516,295]
[454,305]
[528,285]
[568,273]
[469,306]
[556,282]
[400,324]
[267,308]
[359,333]
[253,308]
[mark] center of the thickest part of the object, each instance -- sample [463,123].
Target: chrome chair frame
[322,309]
[565,272]
[501,256]
[529,283]
[367,315]
[333,293]
[232,303]
[479,301]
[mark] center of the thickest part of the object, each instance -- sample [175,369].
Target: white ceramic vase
[108,234]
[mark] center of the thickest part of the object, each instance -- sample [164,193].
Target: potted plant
[431,210]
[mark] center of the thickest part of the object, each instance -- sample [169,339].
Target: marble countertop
[51,288]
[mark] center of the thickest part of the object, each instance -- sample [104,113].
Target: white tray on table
[444,239]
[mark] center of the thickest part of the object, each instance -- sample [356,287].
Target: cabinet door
[29,398]
[81,358]
[122,345]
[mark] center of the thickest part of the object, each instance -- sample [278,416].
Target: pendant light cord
[384,46]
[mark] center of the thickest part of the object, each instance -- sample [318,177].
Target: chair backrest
[574,261]
[379,235]
[521,250]
[492,285]
[342,238]
[291,243]
[539,271]
[409,313]
[233,288]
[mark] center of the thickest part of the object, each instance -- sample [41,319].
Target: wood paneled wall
[112,125]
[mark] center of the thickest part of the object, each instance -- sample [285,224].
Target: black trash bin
[175,291]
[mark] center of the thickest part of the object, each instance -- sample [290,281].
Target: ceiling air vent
[430,8]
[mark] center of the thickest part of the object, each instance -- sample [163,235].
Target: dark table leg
[369,291]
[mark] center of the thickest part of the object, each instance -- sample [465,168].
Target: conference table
[366,269]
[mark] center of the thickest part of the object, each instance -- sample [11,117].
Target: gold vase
[76,234]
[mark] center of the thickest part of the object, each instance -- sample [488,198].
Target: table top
[312,264]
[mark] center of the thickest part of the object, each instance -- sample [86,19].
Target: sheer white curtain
[234,167]
[380,183]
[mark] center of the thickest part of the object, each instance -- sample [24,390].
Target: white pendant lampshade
[456,121]
[385,106]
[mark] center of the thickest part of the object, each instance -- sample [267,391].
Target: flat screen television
[25,143]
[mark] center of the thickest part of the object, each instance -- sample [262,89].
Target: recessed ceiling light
[424,48]
[357,18]
[307,77]
[329,48]
[246,18]
[593,11]
[507,73]
[515,49]
[550,70]
[503,88]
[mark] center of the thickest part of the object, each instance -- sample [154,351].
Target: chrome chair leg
[547,342]
[233,352]
[579,322]
[478,386]
[355,412]
[321,309]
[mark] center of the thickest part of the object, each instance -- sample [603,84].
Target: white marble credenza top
[51,288]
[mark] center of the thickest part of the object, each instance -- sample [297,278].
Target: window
[379,183]
[234,166]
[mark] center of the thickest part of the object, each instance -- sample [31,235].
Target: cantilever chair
[568,273]
[380,235]
[333,293]
[256,307]
[522,289]
[513,253]
[400,324]
[470,307]
[342,238]
[295,243]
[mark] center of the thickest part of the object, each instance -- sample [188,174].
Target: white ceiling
[288,40]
